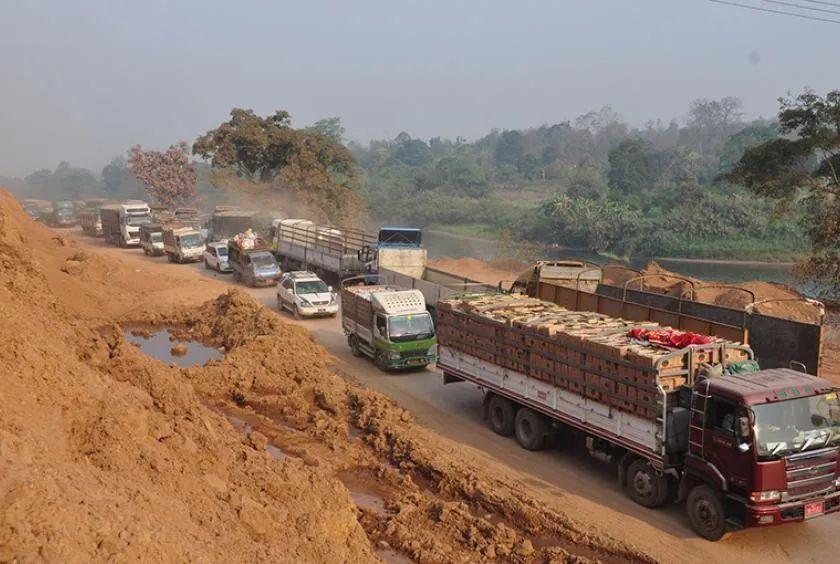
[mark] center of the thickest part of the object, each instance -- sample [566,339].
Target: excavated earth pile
[262,454]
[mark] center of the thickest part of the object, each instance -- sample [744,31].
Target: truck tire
[706,513]
[353,341]
[123,242]
[530,429]
[501,414]
[645,486]
[206,265]
[380,361]
[296,312]
[236,276]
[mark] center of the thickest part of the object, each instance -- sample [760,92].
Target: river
[442,244]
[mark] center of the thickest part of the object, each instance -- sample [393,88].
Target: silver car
[216,256]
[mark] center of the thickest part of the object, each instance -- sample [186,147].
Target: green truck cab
[389,325]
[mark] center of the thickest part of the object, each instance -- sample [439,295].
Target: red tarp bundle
[670,337]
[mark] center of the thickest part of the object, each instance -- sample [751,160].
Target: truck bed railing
[334,240]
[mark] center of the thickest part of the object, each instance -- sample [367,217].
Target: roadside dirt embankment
[262,454]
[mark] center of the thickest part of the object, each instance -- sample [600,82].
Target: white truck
[300,244]
[121,222]
[183,244]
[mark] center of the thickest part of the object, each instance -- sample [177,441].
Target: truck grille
[412,354]
[810,473]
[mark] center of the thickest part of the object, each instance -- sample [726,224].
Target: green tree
[267,156]
[633,167]
[732,150]
[118,179]
[509,149]
[328,127]
[411,152]
[806,161]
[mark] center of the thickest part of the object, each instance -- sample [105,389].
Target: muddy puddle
[366,492]
[245,425]
[163,346]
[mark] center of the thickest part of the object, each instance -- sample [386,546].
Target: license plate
[322,310]
[813,509]
[415,361]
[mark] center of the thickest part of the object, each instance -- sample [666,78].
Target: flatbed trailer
[679,423]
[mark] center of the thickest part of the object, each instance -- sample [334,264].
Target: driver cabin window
[381,325]
[721,416]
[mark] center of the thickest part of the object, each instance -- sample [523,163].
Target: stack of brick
[587,353]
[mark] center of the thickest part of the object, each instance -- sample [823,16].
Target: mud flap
[450,379]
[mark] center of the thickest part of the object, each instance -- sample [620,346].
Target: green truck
[389,325]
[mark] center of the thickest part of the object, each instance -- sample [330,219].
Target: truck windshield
[311,287]
[263,260]
[797,425]
[156,237]
[222,251]
[193,240]
[412,327]
[136,220]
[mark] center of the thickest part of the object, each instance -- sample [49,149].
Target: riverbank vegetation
[594,183]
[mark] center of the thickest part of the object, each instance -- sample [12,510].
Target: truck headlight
[304,302]
[770,495]
[394,355]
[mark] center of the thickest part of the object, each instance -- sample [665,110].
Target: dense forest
[594,182]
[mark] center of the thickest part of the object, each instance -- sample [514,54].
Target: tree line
[685,188]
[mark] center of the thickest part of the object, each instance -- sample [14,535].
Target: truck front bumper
[411,362]
[327,310]
[769,515]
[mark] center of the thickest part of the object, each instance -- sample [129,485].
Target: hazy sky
[82,81]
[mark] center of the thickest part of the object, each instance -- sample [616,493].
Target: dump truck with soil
[389,325]
[683,416]
[182,243]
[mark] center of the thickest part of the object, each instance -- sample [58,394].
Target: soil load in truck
[389,325]
[683,416]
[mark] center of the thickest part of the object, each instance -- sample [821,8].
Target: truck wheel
[353,341]
[705,512]
[530,429]
[296,312]
[646,487]
[123,242]
[236,276]
[206,265]
[379,360]
[501,413]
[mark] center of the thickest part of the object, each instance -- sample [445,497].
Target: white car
[306,295]
[216,256]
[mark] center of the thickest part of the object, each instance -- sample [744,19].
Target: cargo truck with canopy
[389,325]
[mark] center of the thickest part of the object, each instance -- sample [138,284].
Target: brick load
[587,353]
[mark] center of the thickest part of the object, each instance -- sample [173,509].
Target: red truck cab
[763,450]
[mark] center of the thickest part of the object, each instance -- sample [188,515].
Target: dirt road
[569,481]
